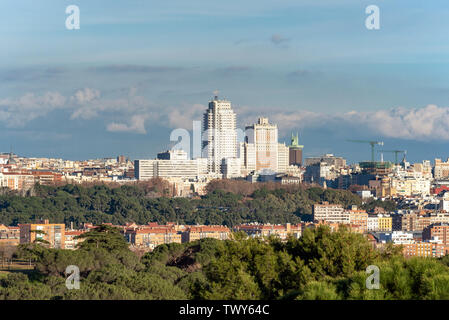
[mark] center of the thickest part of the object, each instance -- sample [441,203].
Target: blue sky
[136,70]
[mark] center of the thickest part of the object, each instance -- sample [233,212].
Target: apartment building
[385,222]
[283,158]
[438,231]
[266,230]
[372,223]
[264,136]
[418,221]
[153,237]
[333,213]
[53,233]
[441,169]
[425,249]
[358,218]
[193,233]
[177,168]
[9,236]
[17,180]
[70,241]
[396,237]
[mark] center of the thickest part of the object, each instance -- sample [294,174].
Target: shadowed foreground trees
[320,265]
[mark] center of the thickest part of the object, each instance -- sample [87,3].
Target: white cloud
[89,105]
[17,112]
[427,123]
[183,117]
[137,125]
[86,95]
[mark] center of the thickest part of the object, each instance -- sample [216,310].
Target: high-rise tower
[219,134]
[264,136]
[295,151]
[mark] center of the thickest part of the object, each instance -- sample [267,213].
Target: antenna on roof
[216,92]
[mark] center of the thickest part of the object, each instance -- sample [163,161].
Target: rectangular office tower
[219,135]
[264,136]
[295,151]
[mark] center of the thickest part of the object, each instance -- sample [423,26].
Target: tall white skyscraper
[219,134]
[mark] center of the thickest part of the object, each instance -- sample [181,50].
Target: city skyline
[363,151]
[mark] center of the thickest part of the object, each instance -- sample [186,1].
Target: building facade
[219,134]
[53,233]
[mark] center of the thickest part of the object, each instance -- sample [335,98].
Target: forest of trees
[226,203]
[320,265]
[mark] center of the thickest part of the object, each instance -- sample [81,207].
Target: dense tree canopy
[97,204]
[320,265]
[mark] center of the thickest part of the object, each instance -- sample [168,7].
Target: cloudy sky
[136,70]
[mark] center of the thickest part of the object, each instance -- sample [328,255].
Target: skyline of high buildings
[227,151]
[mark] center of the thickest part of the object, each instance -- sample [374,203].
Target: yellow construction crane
[372,143]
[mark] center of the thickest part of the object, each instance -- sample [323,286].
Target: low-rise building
[193,233]
[384,222]
[333,213]
[266,230]
[53,233]
[71,242]
[437,231]
[9,236]
[359,218]
[425,249]
[153,237]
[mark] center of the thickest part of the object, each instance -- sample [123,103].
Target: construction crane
[396,152]
[372,143]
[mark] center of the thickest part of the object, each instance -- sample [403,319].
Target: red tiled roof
[74,233]
[207,229]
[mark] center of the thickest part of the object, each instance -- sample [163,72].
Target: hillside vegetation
[320,265]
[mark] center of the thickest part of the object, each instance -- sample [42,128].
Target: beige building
[70,241]
[9,236]
[441,169]
[152,237]
[266,230]
[283,158]
[193,233]
[359,218]
[264,136]
[331,213]
[53,233]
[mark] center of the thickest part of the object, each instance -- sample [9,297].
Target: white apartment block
[333,213]
[219,134]
[158,168]
[283,158]
[397,237]
[409,186]
[372,223]
[231,168]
